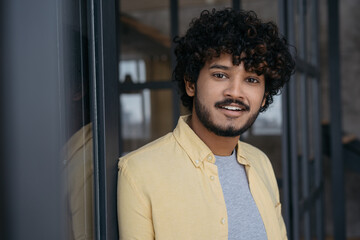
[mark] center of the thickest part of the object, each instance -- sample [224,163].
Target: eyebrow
[217,66]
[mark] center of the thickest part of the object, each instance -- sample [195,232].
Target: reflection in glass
[78,149]
[79,187]
[78,165]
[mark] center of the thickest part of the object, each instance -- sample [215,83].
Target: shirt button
[212,177]
[223,221]
[197,161]
[209,157]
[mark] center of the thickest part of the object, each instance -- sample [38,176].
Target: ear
[190,88]
[264,100]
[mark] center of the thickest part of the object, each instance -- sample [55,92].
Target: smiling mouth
[232,105]
[232,108]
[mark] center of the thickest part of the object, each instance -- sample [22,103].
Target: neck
[221,146]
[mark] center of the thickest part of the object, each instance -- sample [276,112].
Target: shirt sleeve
[278,204]
[134,212]
[281,222]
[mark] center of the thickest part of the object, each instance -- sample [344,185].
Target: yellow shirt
[170,189]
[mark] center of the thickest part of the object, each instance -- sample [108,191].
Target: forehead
[223,58]
[226,61]
[231,59]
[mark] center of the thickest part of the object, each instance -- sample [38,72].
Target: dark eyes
[252,80]
[224,76]
[219,75]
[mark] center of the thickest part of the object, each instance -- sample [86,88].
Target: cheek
[258,98]
[209,94]
[214,89]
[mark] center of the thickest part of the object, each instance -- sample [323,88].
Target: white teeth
[232,108]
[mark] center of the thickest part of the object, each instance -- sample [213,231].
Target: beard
[203,114]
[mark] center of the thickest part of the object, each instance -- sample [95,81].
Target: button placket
[210,163]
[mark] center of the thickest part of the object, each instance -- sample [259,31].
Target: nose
[234,89]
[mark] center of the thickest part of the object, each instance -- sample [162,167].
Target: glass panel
[78,148]
[132,71]
[145,36]
[146,116]
[135,115]
[269,122]
[145,44]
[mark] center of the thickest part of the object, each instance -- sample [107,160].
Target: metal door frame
[297,163]
[102,19]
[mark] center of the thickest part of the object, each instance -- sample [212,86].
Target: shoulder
[142,168]
[146,153]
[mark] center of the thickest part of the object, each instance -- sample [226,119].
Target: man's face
[227,98]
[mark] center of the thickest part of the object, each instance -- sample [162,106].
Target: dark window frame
[103,59]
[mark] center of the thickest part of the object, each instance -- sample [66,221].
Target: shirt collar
[241,154]
[196,149]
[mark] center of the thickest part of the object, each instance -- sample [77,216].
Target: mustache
[229,101]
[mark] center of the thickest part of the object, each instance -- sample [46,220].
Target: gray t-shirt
[244,219]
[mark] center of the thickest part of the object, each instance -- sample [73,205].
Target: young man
[200,182]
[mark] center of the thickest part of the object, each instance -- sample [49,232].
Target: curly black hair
[243,35]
